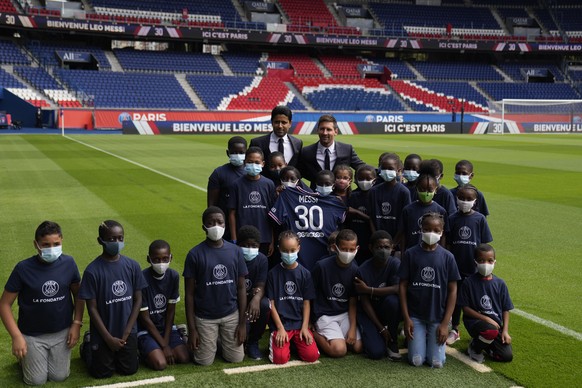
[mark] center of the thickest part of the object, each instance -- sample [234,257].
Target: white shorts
[335,326]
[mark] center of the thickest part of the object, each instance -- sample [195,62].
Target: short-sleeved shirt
[257,270]
[385,206]
[412,217]
[112,285]
[385,276]
[288,289]
[466,232]
[443,197]
[488,297]
[428,274]
[158,294]
[252,200]
[334,286]
[222,178]
[480,204]
[312,217]
[359,200]
[216,272]
[45,303]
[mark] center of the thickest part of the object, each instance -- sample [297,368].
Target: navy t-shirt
[488,297]
[257,272]
[466,232]
[216,272]
[428,274]
[385,276]
[252,200]
[480,204]
[45,303]
[312,217]
[443,197]
[412,217]
[288,289]
[334,286]
[222,178]
[359,200]
[158,294]
[112,285]
[385,206]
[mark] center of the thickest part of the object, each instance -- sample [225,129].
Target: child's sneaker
[475,356]
[393,352]
[253,351]
[453,337]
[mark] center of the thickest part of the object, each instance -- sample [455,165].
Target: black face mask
[382,254]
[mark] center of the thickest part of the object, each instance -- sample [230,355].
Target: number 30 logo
[311,218]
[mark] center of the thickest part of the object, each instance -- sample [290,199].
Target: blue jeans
[423,348]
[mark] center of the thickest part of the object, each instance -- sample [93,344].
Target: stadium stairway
[115,65]
[263,94]
[32,95]
[223,65]
[299,96]
[181,77]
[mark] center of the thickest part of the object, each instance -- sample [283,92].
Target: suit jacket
[309,167]
[263,143]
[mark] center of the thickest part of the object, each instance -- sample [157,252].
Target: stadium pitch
[155,186]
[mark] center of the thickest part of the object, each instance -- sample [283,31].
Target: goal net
[535,116]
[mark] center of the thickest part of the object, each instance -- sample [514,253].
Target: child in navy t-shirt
[46,286]
[158,340]
[112,288]
[428,292]
[359,198]
[486,305]
[463,175]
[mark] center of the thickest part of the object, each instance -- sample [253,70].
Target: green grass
[531,182]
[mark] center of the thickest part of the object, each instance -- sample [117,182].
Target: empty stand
[42,80]
[165,61]
[303,65]
[11,54]
[343,66]
[457,71]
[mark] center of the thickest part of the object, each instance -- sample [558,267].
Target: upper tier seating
[127,90]
[7,6]
[457,71]
[312,15]
[164,61]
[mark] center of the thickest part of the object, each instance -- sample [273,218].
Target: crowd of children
[331,270]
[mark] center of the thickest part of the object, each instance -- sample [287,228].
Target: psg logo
[386,208]
[465,232]
[255,197]
[419,222]
[220,271]
[369,119]
[119,288]
[427,274]
[363,209]
[381,285]
[248,284]
[159,301]
[338,289]
[123,116]
[290,287]
[486,302]
[50,288]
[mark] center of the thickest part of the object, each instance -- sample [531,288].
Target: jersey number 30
[309,218]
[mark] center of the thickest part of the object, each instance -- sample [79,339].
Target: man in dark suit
[279,140]
[326,153]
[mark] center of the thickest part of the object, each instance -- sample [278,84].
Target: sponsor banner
[275,65]
[370,69]
[260,6]
[399,128]
[189,128]
[559,47]
[72,56]
[552,127]
[354,12]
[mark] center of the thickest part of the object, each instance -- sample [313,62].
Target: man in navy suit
[279,140]
[326,153]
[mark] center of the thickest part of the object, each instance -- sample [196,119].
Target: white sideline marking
[139,165]
[138,383]
[521,313]
[549,324]
[482,368]
[260,368]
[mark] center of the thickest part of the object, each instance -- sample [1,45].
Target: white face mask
[49,255]
[365,185]
[462,179]
[250,253]
[344,256]
[324,190]
[160,268]
[215,233]
[236,160]
[290,183]
[388,175]
[431,238]
[465,206]
[485,269]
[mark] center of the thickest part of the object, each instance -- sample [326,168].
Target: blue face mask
[253,169]
[250,253]
[324,190]
[236,160]
[50,255]
[112,248]
[462,179]
[388,175]
[410,175]
[289,258]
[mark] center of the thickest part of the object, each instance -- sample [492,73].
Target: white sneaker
[453,337]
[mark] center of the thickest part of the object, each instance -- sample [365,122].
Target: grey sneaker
[475,356]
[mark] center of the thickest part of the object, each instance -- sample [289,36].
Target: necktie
[326,162]
[281,148]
